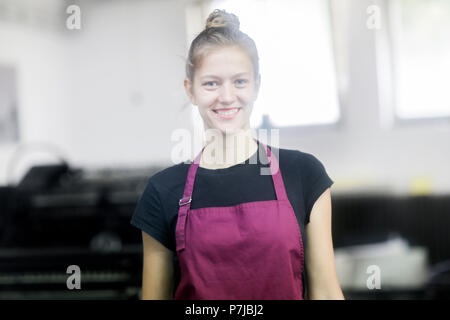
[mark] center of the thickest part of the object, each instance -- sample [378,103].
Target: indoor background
[91,93]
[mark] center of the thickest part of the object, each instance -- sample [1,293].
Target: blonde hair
[221,30]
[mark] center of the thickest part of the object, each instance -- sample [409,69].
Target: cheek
[248,95]
[206,99]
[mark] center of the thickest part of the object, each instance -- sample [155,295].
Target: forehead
[225,62]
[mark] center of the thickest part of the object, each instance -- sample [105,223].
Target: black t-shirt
[304,176]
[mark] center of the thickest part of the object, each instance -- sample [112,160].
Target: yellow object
[422,185]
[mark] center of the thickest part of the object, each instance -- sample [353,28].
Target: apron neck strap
[273,167]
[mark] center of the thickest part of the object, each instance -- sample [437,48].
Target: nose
[227,94]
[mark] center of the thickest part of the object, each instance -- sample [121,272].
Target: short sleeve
[149,215]
[315,181]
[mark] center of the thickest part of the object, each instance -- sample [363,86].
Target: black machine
[58,217]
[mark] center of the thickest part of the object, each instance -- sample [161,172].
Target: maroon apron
[250,251]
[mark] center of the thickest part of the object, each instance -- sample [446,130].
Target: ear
[188,89]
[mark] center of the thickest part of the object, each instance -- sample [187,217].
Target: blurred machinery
[58,217]
[391,265]
[405,238]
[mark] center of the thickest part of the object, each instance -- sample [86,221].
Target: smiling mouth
[228,113]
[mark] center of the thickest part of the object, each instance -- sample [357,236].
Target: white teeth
[227,113]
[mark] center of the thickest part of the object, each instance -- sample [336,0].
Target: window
[298,78]
[420,31]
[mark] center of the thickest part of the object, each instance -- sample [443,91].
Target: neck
[225,150]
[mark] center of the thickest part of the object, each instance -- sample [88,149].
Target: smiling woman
[234,233]
[223,74]
[224,89]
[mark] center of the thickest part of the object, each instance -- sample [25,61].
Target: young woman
[215,229]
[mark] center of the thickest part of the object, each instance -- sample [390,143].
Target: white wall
[109,95]
[39,60]
[102,95]
[126,82]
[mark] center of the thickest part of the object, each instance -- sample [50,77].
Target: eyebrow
[216,77]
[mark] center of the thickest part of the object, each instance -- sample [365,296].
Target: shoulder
[307,168]
[170,172]
[167,179]
[305,163]
[164,182]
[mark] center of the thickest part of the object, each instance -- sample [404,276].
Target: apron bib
[250,251]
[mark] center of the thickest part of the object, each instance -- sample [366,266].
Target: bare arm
[323,283]
[157,272]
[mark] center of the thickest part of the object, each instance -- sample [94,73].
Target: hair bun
[221,18]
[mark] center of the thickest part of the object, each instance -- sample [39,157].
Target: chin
[230,130]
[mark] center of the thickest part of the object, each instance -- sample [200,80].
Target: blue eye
[207,83]
[242,81]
